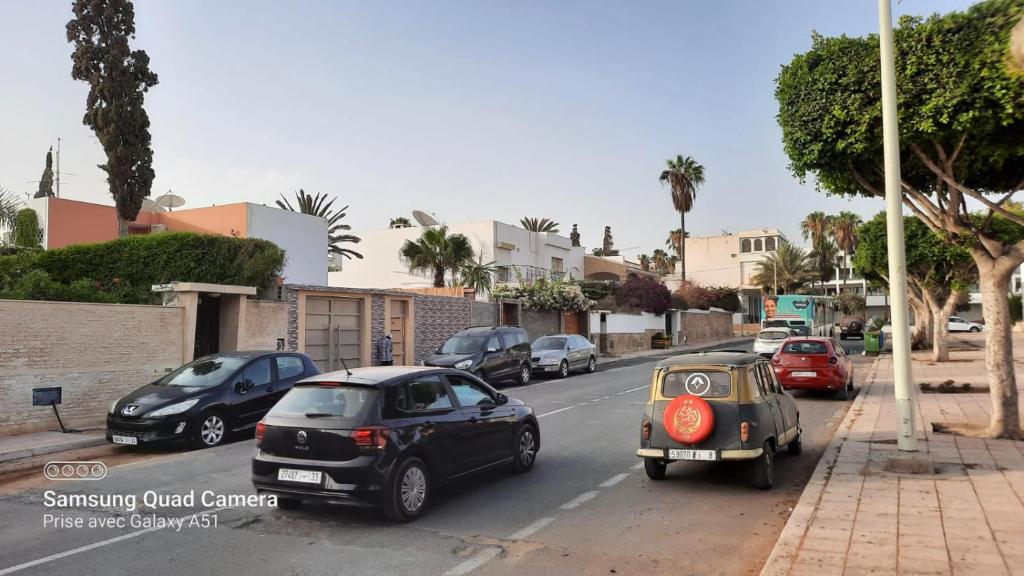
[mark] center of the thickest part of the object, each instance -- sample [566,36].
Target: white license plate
[306,476]
[692,455]
[805,374]
[130,440]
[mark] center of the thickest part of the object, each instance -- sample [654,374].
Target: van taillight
[645,430]
[744,431]
[832,360]
[375,437]
[261,429]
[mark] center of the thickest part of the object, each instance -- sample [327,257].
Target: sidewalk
[39,443]
[739,341]
[854,517]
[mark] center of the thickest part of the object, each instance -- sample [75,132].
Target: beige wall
[265,322]
[96,352]
[699,326]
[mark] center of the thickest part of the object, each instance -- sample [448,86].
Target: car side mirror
[240,388]
[501,399]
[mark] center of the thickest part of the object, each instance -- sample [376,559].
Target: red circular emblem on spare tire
[688,419]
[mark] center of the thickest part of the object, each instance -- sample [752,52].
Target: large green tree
[319,205]
[684,177]
[961,116]
[438,252]
[118,79]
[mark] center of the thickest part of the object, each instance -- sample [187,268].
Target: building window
[504,274]
[758,247]
[769,244]
[745,245]
[557,265]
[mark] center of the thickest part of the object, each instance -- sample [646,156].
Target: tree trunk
[940,313]
[994,279]
[922,325]
[682,245]
[122,227]
[438,276]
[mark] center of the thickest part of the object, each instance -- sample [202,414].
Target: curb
[786,547]
[76,444]
[616,362]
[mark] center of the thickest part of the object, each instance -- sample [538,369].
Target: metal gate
[333,332]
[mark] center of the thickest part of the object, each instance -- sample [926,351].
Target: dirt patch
[963,429]
[952,387]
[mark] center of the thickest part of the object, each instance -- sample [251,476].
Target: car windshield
[704,383]
[807,347]
[549,343]
[772,335]
[333,401]
[463,345]
[203,373]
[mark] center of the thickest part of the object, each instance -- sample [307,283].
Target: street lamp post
[906,438]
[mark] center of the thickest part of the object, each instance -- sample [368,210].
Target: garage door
[333,332]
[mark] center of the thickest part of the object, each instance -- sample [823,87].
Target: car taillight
[832,360]
[374,437]
[261,429]
[645,430]
[776,359]
[744,431]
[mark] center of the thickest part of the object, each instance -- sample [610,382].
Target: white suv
[957,324]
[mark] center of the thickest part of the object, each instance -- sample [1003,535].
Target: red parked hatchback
[814,364]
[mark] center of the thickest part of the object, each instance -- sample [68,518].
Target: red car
[814,364]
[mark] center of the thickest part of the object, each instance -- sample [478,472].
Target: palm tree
[673,240]
[319,206]
[438,252]
[786,271]
[477,275]
[9,205]
[816,226]
[823,258]
[539,225]
[844,230]
[684,176]
[400,222]
[645,262]
[661,261]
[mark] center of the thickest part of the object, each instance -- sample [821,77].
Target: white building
[517,254]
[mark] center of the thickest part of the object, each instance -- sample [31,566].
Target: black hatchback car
[492,353]
[385,436]
[207,398]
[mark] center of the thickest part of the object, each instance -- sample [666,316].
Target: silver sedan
[560,354]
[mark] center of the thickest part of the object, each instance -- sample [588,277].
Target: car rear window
[703,383]
[772,335]
[805,348]
[345,402]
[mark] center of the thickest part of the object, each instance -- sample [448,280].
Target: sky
[468,109]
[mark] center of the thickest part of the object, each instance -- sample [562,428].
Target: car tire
[764,468]
[591,365]
[796,445]
[975,329]
[524,449]
[563,369]
[843,393]
[655,468]
[524,374]
[288,503]
[211,429]
[408,491]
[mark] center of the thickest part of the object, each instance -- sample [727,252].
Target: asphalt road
[586,508]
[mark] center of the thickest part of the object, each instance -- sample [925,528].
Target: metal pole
[775,272]
[58,167]
[906,438]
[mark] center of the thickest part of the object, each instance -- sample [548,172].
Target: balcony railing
[525,274]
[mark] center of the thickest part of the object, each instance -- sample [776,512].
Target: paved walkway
[856,518]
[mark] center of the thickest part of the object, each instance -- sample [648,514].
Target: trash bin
[872,342]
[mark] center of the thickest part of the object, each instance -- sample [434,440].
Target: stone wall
[95,352]
[377,327]
[437,318]
[704,325]
[484,313]
[624,343]
[266,322]
[541,323]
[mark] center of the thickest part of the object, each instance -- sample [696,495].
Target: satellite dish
[424,219]
[169,201]
[148,205]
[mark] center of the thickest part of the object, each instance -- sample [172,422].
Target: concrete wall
[301,236]
[484,313]
[720,261]
[96,352]
[704,325]
[265,323]
[539,323]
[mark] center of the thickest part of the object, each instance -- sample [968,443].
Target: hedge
[124,270]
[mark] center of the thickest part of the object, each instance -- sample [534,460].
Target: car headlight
[113,406]
[464,364]
[174,408]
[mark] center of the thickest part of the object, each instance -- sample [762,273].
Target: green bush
[1015,310]
[124,270]
[725,298]
[598,289]
[26,229]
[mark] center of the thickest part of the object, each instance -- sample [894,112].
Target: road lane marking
[532,528]
[555,411]
[613,480]
[633,389]
[575,502]
[100,544]
[478,559]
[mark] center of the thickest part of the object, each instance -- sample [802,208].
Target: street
[587,507]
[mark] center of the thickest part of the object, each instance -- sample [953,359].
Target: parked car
[562,353]
[957,324]
[814,364]
[768,340]
[799,327]
[207,398]
[850,326]
[386,436]
[718,406]
[493,353]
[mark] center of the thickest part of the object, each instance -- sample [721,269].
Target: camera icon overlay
[59,470]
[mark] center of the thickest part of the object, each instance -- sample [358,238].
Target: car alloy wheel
[563,369]
[975,329]
[524,374]
[413,489]
[525,449]
[591,365]
[211,431]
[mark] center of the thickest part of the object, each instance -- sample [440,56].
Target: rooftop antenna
[345,365]
[424,218]
[169,200]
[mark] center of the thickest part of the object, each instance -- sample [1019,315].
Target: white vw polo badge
[301,436]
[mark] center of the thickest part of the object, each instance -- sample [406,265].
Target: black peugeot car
[492,353]
[207,398]
[384,437]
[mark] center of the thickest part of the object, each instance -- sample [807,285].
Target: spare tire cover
[688,419]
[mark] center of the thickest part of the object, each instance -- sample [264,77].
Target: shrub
[849,303]
[598,289]
[725,298]
[696,296]
[1015,310]
[644,293]
[26,229]
[546,295]
[37,285]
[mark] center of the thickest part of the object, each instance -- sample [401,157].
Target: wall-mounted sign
[46,396]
